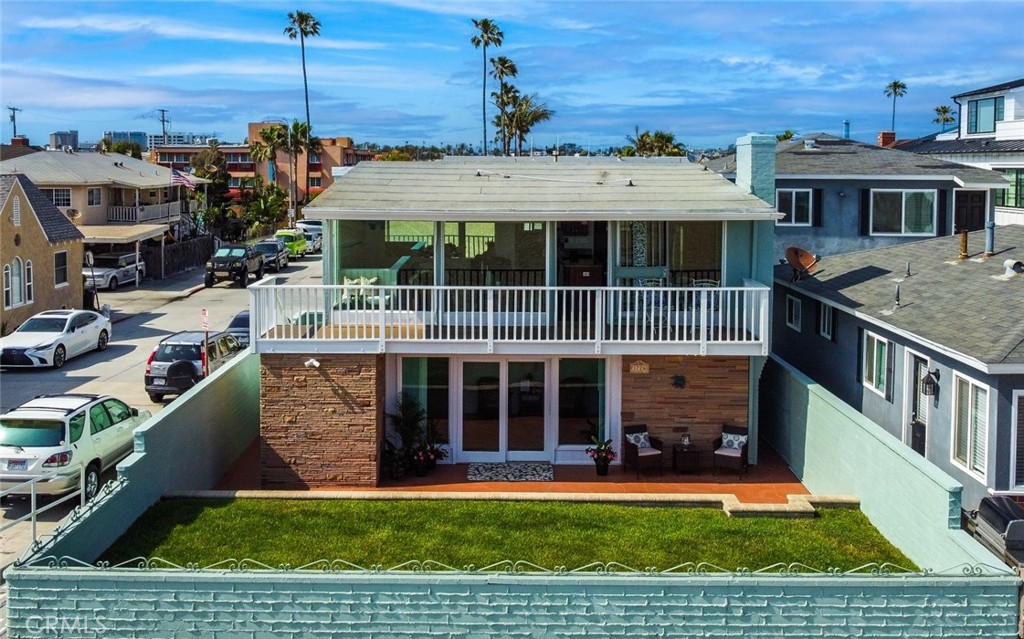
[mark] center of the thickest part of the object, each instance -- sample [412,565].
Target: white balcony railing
[441,319]
[168,211]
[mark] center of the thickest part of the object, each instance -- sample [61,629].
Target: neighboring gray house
[840,195]
[990,135]
[958,323]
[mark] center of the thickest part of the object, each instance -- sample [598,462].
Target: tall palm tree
[488,34]
[303,25]
[302,141]
[505,100]
[944,115]
[527,112]
[895,89]
[501,68]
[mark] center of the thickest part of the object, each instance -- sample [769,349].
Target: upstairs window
[982,115]
[895,212]
[794,313]
[877,364]
[314,182]
[1012,195]
[60,268]
[826,321]
[314,158]
[95,196]
[796,204]
[17,211]
[59,197]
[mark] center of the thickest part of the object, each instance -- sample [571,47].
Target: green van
[294,240]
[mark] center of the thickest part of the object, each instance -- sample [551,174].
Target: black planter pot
[421,468]
[602,467]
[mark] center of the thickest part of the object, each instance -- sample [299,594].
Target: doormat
[521,471]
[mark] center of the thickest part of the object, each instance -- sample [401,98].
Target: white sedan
[51,338]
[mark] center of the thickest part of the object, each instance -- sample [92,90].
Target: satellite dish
[73,214]
[803,262]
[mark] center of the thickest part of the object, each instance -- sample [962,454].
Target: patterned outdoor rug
[520,471]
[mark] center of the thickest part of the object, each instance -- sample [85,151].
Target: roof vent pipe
[809,144]
[1013,266]
[990,238]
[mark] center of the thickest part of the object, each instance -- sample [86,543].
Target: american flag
[182,179]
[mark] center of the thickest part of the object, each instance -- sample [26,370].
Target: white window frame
[17,282]
[903,213]
[867,370]
[8,297]
[825,312]
[315,182]
[29,287]
[969,465]
[67,270]
[98,193]
[792,212]
[794,313]
[57,194]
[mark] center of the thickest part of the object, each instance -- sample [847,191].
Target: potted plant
[423,460]
[602,453]
[421,444]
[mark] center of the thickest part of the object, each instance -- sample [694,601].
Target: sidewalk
[129,300]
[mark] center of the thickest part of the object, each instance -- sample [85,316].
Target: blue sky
[396,71]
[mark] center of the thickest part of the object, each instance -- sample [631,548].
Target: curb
[117,316]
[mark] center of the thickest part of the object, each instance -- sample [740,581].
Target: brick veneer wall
[164,603]
[320,427]
[715,393]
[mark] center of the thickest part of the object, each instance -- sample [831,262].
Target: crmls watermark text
[82,625]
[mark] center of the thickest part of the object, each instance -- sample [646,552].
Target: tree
[395,155]
[303,25]
[272,139]
[647,144]
[124,147]
[501,68]
[488,34]
[786,135]
[944,115]
[895,89]
[528,112]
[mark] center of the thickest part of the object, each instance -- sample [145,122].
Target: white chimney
[755,165]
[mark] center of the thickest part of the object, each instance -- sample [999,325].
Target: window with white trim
[60,268]
[59,197]
[17,211]
[876,363]
[29,288]
[898,212]
[17,282]
[796,205]
[95,196]
[314,182]
[314,158]
[7,285]
[793,313]
[825,320]
[970,424]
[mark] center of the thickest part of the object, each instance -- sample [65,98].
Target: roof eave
[522,215]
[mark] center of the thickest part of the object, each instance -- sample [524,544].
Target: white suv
[110,269]
[58,435]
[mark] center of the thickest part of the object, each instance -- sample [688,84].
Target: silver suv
[110,269]
[179,362]
[51,437]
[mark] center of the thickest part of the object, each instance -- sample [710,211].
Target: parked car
[234,262]
[180,361]
[317,226]
[51,338]
[239,328]
[295,240]
[110,269]
[274,252]
[313,242]
[59,435]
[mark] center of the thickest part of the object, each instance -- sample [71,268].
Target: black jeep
[234,262]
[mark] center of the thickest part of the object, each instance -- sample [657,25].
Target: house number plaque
[640,367]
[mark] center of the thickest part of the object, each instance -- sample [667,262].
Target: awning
[122,233]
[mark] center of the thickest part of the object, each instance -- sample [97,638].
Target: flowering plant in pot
[602,453]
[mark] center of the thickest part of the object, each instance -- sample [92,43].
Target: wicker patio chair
[730,449]
[637,454]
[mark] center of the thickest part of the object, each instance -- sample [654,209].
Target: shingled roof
[829,156]
[968,306]
[537,189]
[58,168]
[57,227]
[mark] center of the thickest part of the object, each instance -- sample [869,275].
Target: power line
[14,118]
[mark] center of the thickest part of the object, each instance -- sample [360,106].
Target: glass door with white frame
[504,411]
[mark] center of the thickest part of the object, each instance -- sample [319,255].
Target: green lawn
[460,533]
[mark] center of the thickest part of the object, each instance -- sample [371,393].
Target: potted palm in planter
[602,453]
[421,443]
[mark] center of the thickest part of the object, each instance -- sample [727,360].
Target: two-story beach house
[529,304]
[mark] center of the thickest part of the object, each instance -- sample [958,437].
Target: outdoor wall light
[930,383]
[678,381]
[312,363]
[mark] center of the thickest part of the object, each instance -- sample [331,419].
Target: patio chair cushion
[640,440]
[733,441]
[364,284]
[728,452]
[647,451]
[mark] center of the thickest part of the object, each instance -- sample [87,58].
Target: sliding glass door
[504,411]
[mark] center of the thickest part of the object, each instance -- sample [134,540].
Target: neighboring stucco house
[990,135]
[41,254]
[528,303]
[958,327]
[839,195]
[117,201]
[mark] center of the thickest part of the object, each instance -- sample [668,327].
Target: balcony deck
[509,320]
[167,211]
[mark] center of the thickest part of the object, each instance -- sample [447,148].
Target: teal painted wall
[151,604]
[187,446]
[834,449]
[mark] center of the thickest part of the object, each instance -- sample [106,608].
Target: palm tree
[303,25]
[505,100]
[895,89]
[302,141]
[501,68]
[488,34]
[272,139]
[526,113]
[944,115]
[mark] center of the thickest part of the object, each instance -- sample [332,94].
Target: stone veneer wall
[246,605]
[321,427]
[716,393]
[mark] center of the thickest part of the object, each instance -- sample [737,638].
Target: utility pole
[14,118]
[163,123]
